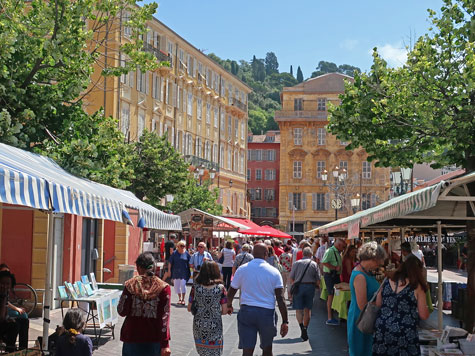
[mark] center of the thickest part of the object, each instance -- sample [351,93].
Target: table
[323,287]
[98,315]
[340,303]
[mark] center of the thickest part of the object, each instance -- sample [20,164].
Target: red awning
[266,231]
[250,224]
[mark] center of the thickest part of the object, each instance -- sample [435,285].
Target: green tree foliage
[271,63]
[159,169]
[193,195]
[92,147]
[258,69]
[47,53]
[299,75]
[291,71]
[422,112]
[325,67]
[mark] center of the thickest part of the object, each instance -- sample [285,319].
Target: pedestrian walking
[198,258]
[228,256]
[285,261]
[180,270]
[72,342]
[363,285]
[145,304]
[208,295]
[272,258]
[243,258]
[403,303]
[304,272]
[331,273]
[260,285]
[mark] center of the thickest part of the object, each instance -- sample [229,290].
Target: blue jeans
[253,321]
[141,349]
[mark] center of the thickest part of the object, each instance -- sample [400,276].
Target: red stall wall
[109,248]
[72,247]
[17,243]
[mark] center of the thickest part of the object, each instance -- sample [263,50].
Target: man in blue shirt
[198,258]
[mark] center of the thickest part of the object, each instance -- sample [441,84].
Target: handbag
[221,259]
[294,288]
[194,307]
[366,320]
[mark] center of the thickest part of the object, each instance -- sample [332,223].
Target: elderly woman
[363,285]
[180,270]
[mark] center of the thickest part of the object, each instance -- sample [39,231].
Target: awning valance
[36,181]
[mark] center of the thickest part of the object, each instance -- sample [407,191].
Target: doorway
[89,252]
[58,233]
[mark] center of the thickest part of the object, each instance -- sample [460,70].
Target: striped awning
[397,207]
[39,182]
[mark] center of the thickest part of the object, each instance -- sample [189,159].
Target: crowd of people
[270,276]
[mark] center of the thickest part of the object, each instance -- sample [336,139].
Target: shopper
[285,261]
[403,303]
[72,342]
[145,304]
[180,270]
[228,256]
[348,263]
[209,297]
[363,286]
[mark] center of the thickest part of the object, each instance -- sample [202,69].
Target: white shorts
[180,286]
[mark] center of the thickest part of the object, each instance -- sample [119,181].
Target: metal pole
[293,220]
[48,292]
[440,302]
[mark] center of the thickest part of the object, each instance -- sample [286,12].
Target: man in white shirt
[261,285]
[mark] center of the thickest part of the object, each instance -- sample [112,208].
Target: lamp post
[400,180]
[339,177]
[231,183]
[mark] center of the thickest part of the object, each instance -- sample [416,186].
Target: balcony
[161,57]
[239,104]
[197,161]
[283,115]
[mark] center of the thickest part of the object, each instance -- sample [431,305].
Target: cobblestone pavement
[323,339]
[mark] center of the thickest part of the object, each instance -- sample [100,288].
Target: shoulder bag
[366,320]
[294,289]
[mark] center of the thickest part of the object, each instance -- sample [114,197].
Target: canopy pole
[48,292]
[403,234]
[440,303]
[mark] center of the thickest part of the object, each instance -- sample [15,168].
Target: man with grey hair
[331,274]
[304,272]
[243,258]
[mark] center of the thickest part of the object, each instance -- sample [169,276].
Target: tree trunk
[470,300]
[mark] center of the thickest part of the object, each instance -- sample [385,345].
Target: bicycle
[24,296]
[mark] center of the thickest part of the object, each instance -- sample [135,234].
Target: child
[72,342]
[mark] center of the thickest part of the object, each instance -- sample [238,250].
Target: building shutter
[290,201]
[304,201]
[327,201]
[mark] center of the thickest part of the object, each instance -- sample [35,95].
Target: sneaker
[304,334]
[332,322]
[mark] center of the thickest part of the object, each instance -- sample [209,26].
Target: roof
[269,137]
[326,83]
[446,176]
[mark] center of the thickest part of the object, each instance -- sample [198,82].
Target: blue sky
[300,32]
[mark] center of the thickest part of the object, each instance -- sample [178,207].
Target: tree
[159,168]
[258,69]
[422,112]
[48,50]
[92,147]
[271,63]
[325,67]
[299,75]
[193,195]
[291,70]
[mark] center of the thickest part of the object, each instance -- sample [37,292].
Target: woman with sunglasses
[180,270]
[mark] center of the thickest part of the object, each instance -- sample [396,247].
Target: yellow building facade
[310,194]
[200,106]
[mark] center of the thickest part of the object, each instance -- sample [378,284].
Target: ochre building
[200,106]
[308,152]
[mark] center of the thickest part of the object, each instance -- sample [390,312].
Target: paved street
[323,340]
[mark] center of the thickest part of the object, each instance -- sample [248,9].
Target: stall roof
[36,181]
[445,201]
[217,220]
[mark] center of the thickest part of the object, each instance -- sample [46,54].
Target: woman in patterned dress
[403,302]
[210,296]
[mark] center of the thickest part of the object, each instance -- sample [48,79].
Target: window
[189,65]
[366,201]
[258,154]
[321,104]
[258,194]
[199,108]
[321,136]
[215,152]
[127,29]
[141,123]
[230,158]
[216,118]
[243,128]
[125,118]
[241,163]
[258,174]
[156,87]
[230,126]
[268,155]
[366,170]
[190,104]
[318,201]
[269,194]
[298,104]
[223,123]
[320,168]
[248,174]
[236,127]
[298,169]
[221,157]
[344,166]
[126,79]
[270,174]
[298,136]
[141,81]
[208,113]
[297,201]
[271,212]
[343,143]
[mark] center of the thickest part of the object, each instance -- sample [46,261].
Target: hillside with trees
[263,76]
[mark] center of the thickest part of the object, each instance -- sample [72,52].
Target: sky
[300,32]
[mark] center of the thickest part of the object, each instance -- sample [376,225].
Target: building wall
[109,250]
[304,139]
[258,216]
[210,128]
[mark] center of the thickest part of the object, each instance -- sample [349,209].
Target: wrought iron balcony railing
[162,57]
[198,161]
[305,114]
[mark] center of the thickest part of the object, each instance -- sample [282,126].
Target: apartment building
[263,161]
[318,176]
[200,106]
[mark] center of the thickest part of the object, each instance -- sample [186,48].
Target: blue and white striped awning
[36,181]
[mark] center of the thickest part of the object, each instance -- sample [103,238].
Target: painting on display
[62,292]
[100,313]
[93,281]
[71,290]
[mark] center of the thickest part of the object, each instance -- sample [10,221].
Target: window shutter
[314,201]
[138,79]
[290,201]
[147,83]
[327,201]
[174,94]
[304,201]
[373,199]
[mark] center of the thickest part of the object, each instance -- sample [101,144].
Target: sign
[432,239]
[208,222]
[354,229]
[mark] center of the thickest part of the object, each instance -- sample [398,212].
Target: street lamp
[400,180]
[231,183]
[355,203]
[212,173]
[339,176]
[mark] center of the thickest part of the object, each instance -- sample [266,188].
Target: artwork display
[93,281]
[85,279]
[62,292]
[71,290]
